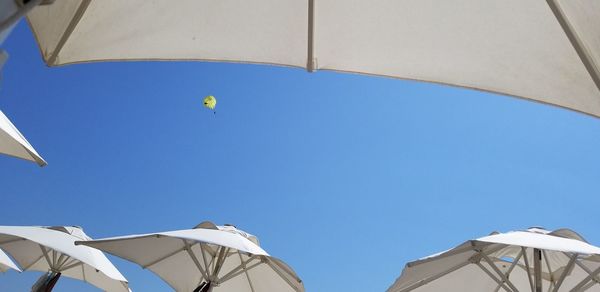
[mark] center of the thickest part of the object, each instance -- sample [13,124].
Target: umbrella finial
[206,225]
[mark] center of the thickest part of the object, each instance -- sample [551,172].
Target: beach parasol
[206,258]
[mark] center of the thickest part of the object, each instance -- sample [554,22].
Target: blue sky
[345,177]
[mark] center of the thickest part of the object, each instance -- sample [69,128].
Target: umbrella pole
[537,269]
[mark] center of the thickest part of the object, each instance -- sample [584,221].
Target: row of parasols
[224,258]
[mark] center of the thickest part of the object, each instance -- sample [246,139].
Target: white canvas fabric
[514,47]
[12,143]
[53,249]
[6,263]
[504,262]
[225,256]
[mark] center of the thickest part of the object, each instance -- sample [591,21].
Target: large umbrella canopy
[14,144]
[6,263]
[206,258]
[546,51]
[53,249]
[529,260]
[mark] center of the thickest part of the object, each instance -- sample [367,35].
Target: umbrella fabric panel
[274,275]
[513,47]
[29,252]
[430,267]
[218,237]
[96,278]
[267,31]
[49,22]
[14,144]
[578,274]
[542,241]
[468,278]
[179,271]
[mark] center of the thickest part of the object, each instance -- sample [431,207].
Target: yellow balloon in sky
[210,102]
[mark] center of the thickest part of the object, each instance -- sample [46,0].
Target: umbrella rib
[311,62]
[444,255]
[45,253]
[281,275]
[71,266]
[83,273]
[285,269]
[60,262]
[471,260]
[512,266]
[493,277]
[69,30]
[12,240]
[503,277]
[236,271]
[579,46]
[53,259]
[527,268]
[548,266]
[70,262]
[195,260]
[588,285]
[591,276]
[152,263]
[221,259]
[33,263]
[243,265]
[434,277]
[564,274]
[587,270]
[202,249]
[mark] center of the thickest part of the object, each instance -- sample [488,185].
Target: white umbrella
[206,258]
[6,263]
[535,260]
[546,51]
[12,143]
[52,249]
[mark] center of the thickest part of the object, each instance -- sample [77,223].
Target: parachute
[210,102]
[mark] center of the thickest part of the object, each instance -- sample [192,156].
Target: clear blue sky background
[345,177]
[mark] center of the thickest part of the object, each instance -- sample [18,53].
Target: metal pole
[578,44]
[537,269]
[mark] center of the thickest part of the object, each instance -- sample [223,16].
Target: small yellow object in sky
[210,102]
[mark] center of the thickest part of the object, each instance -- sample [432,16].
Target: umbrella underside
[546,51]
[500,268]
